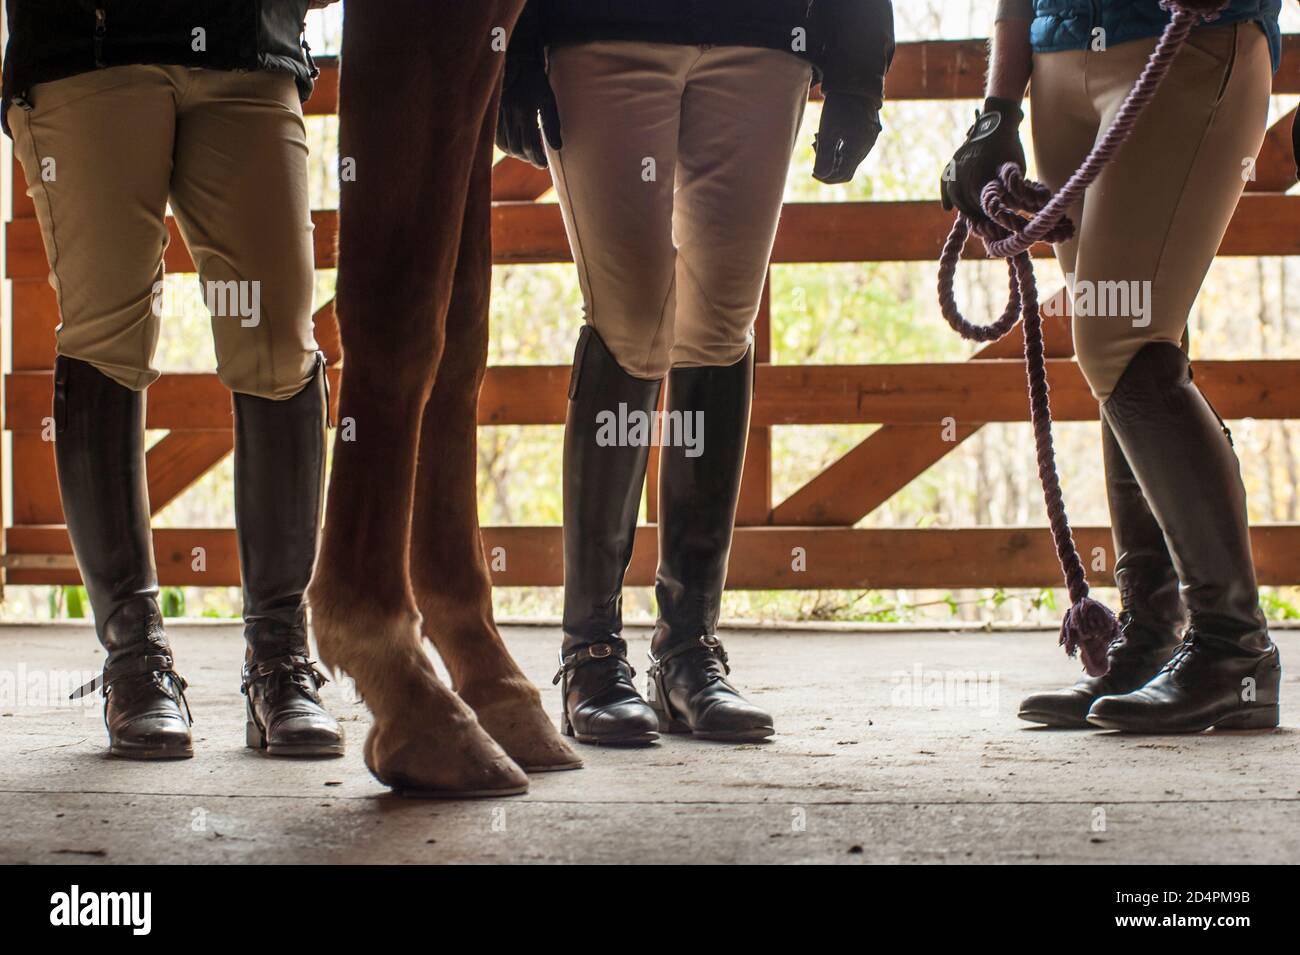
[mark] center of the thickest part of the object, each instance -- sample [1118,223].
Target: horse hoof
[522,728]
[445,761]
[425,740]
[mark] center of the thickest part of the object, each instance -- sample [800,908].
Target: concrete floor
[892,747]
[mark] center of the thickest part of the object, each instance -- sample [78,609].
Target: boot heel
[669,725]
[1258,718]
[254,736]
[657,697]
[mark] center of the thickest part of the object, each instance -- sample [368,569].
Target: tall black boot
[603,477]
[699,487]
[1227,671]
[99,448]
[279,491]
[1152,615]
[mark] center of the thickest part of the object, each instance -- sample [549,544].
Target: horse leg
[450,576]
[398,245]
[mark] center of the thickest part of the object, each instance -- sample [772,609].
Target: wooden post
[756,483]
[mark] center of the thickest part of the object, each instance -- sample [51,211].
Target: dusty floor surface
[892,747]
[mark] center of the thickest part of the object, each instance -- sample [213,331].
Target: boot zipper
[101,28]
[1223,425]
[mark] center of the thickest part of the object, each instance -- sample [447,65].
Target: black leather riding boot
[699,486]
[279,491]
[604,472]
[1227,671]
[99,448]
[1152,617]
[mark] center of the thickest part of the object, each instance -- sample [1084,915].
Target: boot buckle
[593,651]
[711,643]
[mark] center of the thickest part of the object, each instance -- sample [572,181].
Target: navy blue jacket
[1069,24]
[54,39]
[849,42]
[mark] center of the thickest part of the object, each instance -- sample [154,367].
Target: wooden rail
[806,541]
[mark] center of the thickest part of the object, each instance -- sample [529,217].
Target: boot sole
[1055,720]
[632,740]
[255,740]
[640,739]
[752,735]
[300,752]
[151,754]
[1255,718]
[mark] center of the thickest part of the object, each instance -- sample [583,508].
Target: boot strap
[592,653]
[292,663]
[137,666]
[158,664]
[709,641]
[656,691]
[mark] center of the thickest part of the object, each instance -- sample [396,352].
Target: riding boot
[279,491]
[1227,671]
[1152,615]
[99,450]
[604,473]
[699,487]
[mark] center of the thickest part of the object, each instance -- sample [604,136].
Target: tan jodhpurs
[104,153]
[671,179]
[1148,229]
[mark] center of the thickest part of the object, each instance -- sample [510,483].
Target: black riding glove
[525,95]
[849,128]
[991,143]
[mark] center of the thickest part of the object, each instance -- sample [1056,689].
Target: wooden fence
[909,401]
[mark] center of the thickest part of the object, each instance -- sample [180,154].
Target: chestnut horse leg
[452,586]
[399,241]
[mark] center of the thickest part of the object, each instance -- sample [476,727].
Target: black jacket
[849,42]
[53,39]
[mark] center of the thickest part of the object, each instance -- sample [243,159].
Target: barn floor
[892,747]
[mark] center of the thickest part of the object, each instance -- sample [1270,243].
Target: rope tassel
[1089,626]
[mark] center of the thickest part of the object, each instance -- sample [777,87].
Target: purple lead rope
[1089,626]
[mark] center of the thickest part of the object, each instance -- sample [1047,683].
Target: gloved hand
[849,128]
[992,142]
[525,95]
